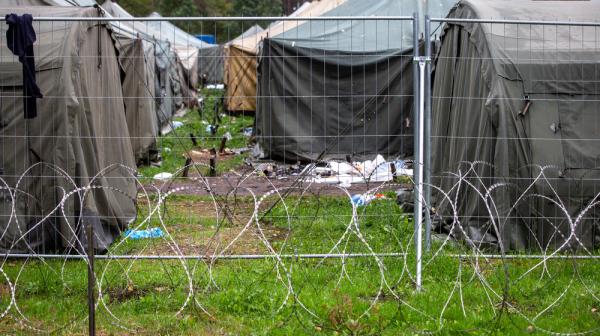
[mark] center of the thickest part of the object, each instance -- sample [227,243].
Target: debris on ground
[215,86]
[212,129]
[163,176]
[144,234]
[364,199]
[200,155]
[346,173]
[341,173]
[248,131]
[257,152]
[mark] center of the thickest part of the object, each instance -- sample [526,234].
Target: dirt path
[244,186]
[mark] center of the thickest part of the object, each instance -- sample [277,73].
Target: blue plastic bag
[143,234]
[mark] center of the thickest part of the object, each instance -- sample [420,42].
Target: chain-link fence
[317,173]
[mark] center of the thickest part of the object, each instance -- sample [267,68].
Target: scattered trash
[166,149]
[257,152]
[248,131]
[143,234]
[362,200]
[215,86]
[239,150]
[266,168]
[345,173]
[176,124]
[204,122]
[211,129]
[228,136]
[163,176]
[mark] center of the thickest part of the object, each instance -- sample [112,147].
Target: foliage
[224,30]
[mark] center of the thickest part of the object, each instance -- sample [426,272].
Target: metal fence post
[417,124]
[427,129]
[91,277]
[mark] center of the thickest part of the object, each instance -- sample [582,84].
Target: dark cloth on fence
[20,38]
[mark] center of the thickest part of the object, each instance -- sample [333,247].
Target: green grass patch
[363,296]
[177,143]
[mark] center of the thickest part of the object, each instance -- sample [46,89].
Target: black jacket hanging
[20,37]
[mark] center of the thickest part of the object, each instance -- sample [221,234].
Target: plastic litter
[362,200]
[345,174]
[210,129]
[177,124]
[248,131]
[163,176]
[215,86]
[257,152]
[144,234]
[228,136]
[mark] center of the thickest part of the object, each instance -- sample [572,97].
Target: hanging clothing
[20,38]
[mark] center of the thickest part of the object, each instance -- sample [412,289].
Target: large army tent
[252,31]
[79,131]
[166,89]
[137,60]
[212,64]
[514,98]
[328,89]
[188,49]
[241,57]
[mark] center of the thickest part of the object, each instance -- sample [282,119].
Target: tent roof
[129,27]
[567,10]
[315,8]
[51,36]
[543,56]
[249,32]
[169,31]
[67,3]
[362,35]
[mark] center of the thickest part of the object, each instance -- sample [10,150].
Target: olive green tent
[515,126]
[79,138]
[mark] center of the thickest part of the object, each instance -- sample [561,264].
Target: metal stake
[213,163]
[91,282]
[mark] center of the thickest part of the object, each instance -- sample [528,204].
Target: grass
[248,298]
[177,143]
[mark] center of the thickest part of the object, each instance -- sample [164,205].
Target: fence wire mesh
[263,182]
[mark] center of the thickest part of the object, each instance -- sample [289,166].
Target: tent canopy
[167,86]
[361,35]
[530,102]
[241,57]
[313,9]
[170,32]
[328,89]
[64,3]
[78,130]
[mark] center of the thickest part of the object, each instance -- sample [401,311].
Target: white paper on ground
[163,176]
[345,174]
